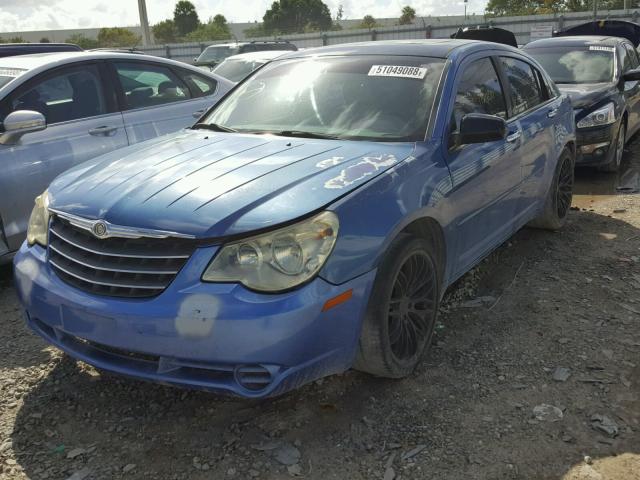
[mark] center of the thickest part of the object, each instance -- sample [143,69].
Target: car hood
[587,94]
[211,185]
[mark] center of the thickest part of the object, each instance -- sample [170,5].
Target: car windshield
[217,54]
[593,64]
[353,97]
[8,74]
[236,70]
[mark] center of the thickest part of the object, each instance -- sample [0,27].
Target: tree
[408,16]
[215,29]
[185,17]
[297,16]
[82,41]
[45,40]
[535,7]
[17,39]
[165,32]
[256,31]
[117,37]
[368,22]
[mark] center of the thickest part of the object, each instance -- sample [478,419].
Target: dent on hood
[359,170]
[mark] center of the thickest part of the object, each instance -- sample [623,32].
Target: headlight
[277,260]
[38,228]
[600,117]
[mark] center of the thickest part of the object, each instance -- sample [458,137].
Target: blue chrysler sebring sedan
[309,223]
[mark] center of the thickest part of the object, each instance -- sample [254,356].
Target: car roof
[260,55]
[576,41]
[440,48]
[40,62]
[237,44]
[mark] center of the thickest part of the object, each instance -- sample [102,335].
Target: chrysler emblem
[100,229]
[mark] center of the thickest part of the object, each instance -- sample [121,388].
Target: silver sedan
[61,109]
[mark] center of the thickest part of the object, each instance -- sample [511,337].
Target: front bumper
[595,145]
[218,337]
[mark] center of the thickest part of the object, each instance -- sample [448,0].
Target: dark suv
[13,49]
[214,54]
[601,75]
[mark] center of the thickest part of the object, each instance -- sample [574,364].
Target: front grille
[119,267]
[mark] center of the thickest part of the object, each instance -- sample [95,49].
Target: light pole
[465,10]
[144,22]
[595,10]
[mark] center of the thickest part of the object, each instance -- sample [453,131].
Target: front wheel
[614,165]
[401,313]
[560,194]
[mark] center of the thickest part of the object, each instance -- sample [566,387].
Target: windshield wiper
[213,126]
[303,134]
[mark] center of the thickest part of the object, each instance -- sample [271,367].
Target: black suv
[601,75]
[13,49]
[214,54]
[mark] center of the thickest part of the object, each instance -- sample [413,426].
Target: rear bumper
[218,337]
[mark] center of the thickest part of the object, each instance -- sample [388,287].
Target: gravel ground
[533,374]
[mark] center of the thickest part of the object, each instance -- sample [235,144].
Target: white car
[237,67]
[61,109]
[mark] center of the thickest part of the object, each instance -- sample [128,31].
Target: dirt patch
[539,379]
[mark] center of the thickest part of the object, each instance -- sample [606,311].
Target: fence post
[325,39]
[561,23]
[428,31]
[167,51]
[374,34]
[202,47]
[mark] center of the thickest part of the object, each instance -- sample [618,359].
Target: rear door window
[148,85]
[199,85]
[525,90]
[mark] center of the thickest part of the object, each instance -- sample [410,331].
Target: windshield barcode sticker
[398,71]
[602,49]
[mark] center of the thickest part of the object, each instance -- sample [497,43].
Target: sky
[26,15]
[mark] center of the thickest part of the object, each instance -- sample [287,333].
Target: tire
[616,159]
[401,314]
[558,201]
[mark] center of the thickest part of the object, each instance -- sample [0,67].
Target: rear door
[82,123]
[485,175]
[157,99]
[532,114]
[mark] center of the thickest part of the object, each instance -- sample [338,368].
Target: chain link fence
[423,27]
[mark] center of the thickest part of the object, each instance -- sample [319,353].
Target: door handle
[198,113]
[552,113]
[512,137]
[103,130]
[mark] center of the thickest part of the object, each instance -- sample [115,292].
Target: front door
[79,128]
[485,176]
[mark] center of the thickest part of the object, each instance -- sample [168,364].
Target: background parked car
[60,109]
[601,76]
[214,54]
[237,67]
[13,49]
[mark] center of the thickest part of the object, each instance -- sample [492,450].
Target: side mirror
[631,75]
[19,123]
[481,128]
[195,59]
